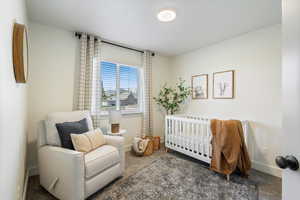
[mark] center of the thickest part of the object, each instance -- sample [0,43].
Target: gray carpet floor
[155,177]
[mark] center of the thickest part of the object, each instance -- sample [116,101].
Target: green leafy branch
[170,98]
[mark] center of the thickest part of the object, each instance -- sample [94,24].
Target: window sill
[132,113]
[125,114]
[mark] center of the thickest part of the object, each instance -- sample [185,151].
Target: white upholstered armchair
[72,175]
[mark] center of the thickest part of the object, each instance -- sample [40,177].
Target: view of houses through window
[120,86]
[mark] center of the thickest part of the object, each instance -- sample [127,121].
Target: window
[120,87]
[109,85]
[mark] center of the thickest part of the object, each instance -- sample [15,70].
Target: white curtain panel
[147,101]
[89,94]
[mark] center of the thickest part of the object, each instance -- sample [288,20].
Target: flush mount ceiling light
[166,15]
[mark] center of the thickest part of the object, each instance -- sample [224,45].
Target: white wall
[13,107]
[51,77]
[256,59]
[54,56]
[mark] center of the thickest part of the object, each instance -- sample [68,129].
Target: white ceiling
[134,22]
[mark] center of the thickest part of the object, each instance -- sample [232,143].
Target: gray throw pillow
[67,128]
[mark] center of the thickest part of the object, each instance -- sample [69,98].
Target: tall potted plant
[170,98]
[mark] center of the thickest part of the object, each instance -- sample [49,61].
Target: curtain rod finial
[77,34]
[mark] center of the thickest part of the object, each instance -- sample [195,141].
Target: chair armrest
[62,172]
[118,142]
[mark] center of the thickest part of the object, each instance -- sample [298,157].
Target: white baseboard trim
[25,185]
[268,169]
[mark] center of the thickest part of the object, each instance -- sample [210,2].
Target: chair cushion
[52,137]
[100,159]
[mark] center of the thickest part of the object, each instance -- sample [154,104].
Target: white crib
[191,135]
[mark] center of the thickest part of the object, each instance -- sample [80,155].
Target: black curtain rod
[114,44]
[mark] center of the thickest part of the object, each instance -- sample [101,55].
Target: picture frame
[200,86]
[223,85]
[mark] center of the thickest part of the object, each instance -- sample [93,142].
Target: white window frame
[139,90]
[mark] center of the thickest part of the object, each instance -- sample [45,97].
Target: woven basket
[156,141]
[149,149]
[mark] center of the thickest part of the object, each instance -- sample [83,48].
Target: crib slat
[170,130]
[166,131]
[202,137]
[181,127]
[173,131]
[189,136]
[206,139]
[184,135]
[180,138]
[197,137]
[187,141]
[176,133]
[193,137]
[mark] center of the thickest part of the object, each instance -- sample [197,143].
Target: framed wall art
[223,85]
[200,86]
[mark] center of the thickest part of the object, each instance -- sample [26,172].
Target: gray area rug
[173,178]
